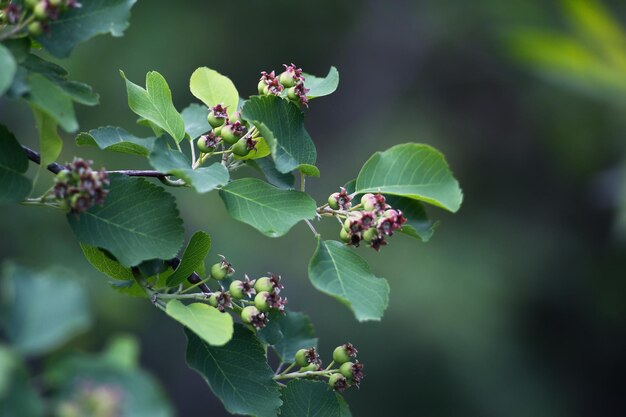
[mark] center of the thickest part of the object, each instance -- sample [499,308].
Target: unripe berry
[338,382]
[286,79]
[229,134]
[236,290]
[55,3]
[301,358]
[344,235]
[207,143]
[292,94]
[264,284]
[41,10]
[368,201]
[249,313]
[213,299]
[240,148]
[333,201]
[217,272]
[370,234]
[260,301]
[343,353]
[218,131]
[261,87]
[214,120]
[35,29]
[346,370]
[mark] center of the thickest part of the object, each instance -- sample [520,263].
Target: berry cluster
[230,131]
[78,187]
[255,298]
[373,222]
[42,12]
[290,84]
[347,374]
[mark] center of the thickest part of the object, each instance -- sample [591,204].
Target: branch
[55,168]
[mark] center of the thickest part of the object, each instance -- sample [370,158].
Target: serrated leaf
[95,17]
[411,170]
[116,139]
[50,143]
[212,88]
[103,263]
[14,186]
[52,100]
[268,169]
[174,162]
[154,103]
[237,373]
[337,270]
[194,255]
[268,209]
[138,221]
[319,86]
[418,225]
[281,123]
[195,117]
[33,326]
[302,398]
[297,333]
[9,67]
[208,323]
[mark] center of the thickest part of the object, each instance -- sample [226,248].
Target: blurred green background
[516,307]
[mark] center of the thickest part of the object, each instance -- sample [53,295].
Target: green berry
[332,201]
[264,284]
[291,94]
[35,29]
[346,369]
[344,235]
[218,131]
[341,355]
[368,201]
[286,79]
[337,381]
[236,290]
[261,87]
[234,117]
[310,367]
[213,298]
[40,10]
[301,358]
[260,301]
[266,90]
[203,144]
[215,121]
[228,135]
[55,3]
[218,272]
[249,313]
[240,148]
[370,234]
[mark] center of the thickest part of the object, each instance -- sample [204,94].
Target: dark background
[516,307]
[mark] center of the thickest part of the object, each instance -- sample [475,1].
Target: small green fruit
[203,144]
[337,381]
[236,290]
[301,358]
[264,284]
[344,235]
[228,135]
[261,87]
[240,148]
[286,79]
[35,29]
[341,355]
[40,11]
[213,298]
[215,121]
[368,201]
[260,301]
[291,94]
[55,3]
[346,369]
[249,313]
[218,272]
[370,234]
[332,201]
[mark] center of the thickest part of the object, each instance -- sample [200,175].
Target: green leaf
[155,104]
[195,117]
[281,123]
[309,170]
[103,263]
[268,169]
[194,255]
[208,323]
[79,92]
[174,162]
[297,333]
[212,88]
[138,221]
[237,373]
[337,270]
[411,170]
[95,17]
[417,225]
[268,209]
[302,398]
[318,86]
[14,186]
[18,397]
[51,99]
[9,67]
[50,143]
[75,375]
[44,309]
[116,139]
